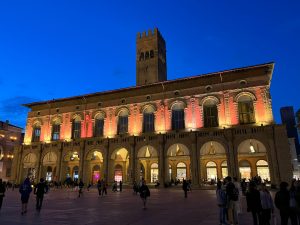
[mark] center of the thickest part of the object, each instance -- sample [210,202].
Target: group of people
[259,202]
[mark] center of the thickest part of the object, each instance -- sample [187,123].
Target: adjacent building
[288,118]
[10,136]
[200,127]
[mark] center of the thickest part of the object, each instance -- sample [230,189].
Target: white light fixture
[252,150]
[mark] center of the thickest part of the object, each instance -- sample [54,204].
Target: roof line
[148,85]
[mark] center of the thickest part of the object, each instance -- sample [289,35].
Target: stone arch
[29,166]
[99,114]
[212,151]
[122,109]
[179,149]
[77,116]
[177,102]
[209,98]
[252,150]
[57,119]
[147,156]
[245,93]
[150,106]
[120,156]
[178,153]
[37,123]
[49,158]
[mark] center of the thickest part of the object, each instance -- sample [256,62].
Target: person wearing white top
[266,204]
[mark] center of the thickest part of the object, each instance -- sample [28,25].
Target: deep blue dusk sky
[54,49]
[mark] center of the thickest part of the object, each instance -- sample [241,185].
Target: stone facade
[200,128]
[10,136]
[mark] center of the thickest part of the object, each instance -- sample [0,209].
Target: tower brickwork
[151,63]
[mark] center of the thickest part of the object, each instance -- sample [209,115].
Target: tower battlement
[150,34]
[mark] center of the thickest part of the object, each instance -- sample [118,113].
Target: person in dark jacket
[282,202]
[254,203]
[80,187]
[144,193]
[121,186]
[25,190]
[2,192]
[185,188]
[40,189]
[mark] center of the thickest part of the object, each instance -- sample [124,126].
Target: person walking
[232,197]
[254,203]
[40,189]
[282,202]
[185,188]
[266,205]
[103,187]
[25,190]
[80,188]
[114,187]
[221,201]
[144,193]
[294,203]
[2,192]
[99,187]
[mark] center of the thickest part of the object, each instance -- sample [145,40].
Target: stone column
[59,163]
[82,160]
[194,161]
[132,161]
[162,161]
[40,163]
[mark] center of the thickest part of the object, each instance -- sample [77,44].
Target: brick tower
[151,62]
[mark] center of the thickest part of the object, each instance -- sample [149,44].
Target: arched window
[181,171]
[210,111]
[76,127]
[36,133]
[142,56]
[245,169]
[211,169]
[178,116]
[246,110]
[123,122]
[99,125]
[148,120]
[154,172]
[151,54]
[146,55]
[55,130]
[263,169]
[224,169]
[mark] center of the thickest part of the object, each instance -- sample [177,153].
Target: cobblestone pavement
[165,206]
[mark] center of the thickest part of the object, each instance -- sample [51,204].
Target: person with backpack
[2,192]
[25,190]
[144,193]
[40,189]
[232,197]
[254,203]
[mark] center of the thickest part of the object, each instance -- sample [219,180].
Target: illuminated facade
[200,128]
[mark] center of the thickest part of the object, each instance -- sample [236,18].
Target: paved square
[165,206]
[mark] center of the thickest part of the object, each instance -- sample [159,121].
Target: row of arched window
[146,55]
[210,119]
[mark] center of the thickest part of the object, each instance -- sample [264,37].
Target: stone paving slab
[165,207]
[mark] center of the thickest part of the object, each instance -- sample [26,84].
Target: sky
[54,49]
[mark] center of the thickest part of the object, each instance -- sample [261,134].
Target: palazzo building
[200,128]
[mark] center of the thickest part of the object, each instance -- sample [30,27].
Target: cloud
[11,109]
